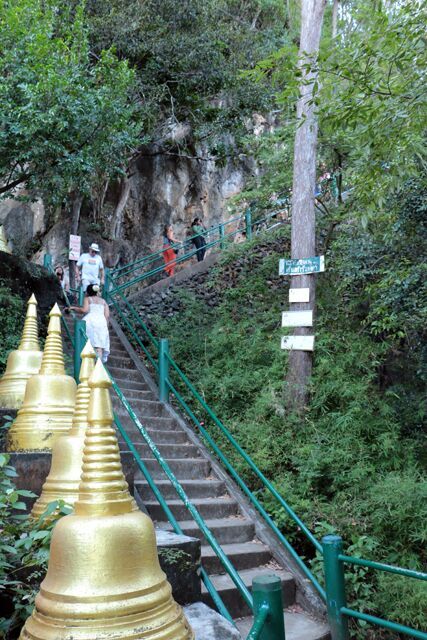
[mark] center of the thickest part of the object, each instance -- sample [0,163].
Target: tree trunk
[335,10]
[75,219]
[303,234]
[117,220]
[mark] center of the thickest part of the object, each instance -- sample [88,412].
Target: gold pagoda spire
[4,245]
[30,333]
[22,363]
[48,407]
[104,579]
[103,488]
[53,355]
[63,480]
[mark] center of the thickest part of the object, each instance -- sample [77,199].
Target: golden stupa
[48,407]
[4,245]
[63,480]
[104,580]
[22,363]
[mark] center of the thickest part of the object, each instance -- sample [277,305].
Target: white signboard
[74,247]
[299,343]
[297,319]
[299,295]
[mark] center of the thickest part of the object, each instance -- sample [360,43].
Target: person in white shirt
[90,268]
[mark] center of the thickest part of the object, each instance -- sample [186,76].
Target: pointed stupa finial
[103,489]
[80,421]
[4,246]
[30,333]
[53,355]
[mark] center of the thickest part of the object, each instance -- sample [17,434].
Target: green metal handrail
[256,503]
[338,612]
[268,609]
[220,241]
[161,267]
[129,268]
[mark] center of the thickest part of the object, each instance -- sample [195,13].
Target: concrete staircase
[208,489]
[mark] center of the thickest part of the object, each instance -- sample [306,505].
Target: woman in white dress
[96,318]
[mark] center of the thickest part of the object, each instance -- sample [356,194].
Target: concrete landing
[208,624]
[298,626]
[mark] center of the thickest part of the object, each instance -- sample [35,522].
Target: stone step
[225,530]
[118,351]
[137,385]
[169,451]
[232,598]
[161,436]
[207,507]
[182,468]
[138,394]
[205,488]
[243,555]
[119,359]
[148,422]
[298,626]
[141,406]
[170,433]
[121,373]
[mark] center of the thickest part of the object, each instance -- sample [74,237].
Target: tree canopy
[65,114]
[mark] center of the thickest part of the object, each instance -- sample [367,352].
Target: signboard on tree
[74,247]
[299,295]
[302,266]
[297,319]
[298,343]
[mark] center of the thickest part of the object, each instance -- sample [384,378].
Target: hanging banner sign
[301,267]
[74,247]
[299,295]
[297,319]
[298,343]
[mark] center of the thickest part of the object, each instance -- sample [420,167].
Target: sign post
[300,317]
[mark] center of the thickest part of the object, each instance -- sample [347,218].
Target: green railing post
[269,623]
[221,235]
[335,587]
[81,295]
[248,221]
[47,261]
[107,286]
[79,328]
[163,370]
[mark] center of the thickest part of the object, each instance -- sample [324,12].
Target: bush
[12,322]
[24,551]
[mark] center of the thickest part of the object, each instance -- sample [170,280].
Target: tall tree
[304,179]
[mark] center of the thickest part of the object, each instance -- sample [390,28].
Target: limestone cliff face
[163,188]
[170,190]
[22,221]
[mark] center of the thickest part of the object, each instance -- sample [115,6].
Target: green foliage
[65,115]
[188,56]
[24,550]
[13,311]
[370,100]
